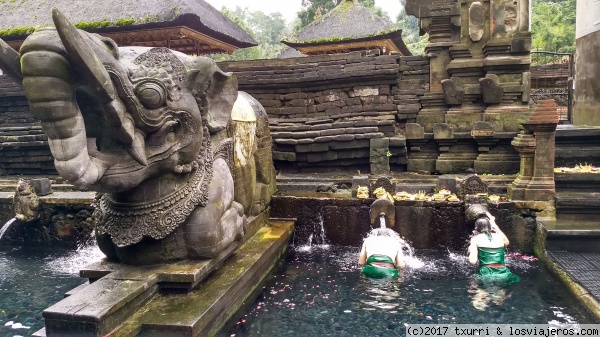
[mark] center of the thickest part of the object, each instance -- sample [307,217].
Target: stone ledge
[126,300]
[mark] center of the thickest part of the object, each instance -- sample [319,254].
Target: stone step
[577,205]
[171,299]
[416,187]
[4,138]
[573,235]
[10,184]
[577,182]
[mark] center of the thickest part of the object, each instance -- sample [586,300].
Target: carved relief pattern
[225,151]
[385,183]
[473,185]
[128,224]
[159,57]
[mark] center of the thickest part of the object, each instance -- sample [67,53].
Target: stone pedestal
[177,299]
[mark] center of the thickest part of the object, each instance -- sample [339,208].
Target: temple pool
[32,279]
[319,292]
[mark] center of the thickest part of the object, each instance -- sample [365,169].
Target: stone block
[366,91]
[284,156]
[463,122]
[442,131]
[332,132]
[446,183]
[41,186]
[359,181]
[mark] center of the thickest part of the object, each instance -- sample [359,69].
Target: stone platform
[570,250]
[179,299]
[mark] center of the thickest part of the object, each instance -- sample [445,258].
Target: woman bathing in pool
[487,247]
[381,254]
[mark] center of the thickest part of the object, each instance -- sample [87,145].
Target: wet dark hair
[383,232]
[483,225]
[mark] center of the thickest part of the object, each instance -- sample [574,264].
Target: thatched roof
[289,52]
[349,24]
[191,26]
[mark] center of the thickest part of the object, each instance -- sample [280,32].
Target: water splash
[408,252]
[6,226]
[318,239]
[76,260]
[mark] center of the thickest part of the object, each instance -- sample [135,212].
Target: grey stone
[41,186]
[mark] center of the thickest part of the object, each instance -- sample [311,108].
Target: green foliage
[314,9]
[410,33]
[17,31]
[93,25]
[124,22]
[267,29]
[553,25]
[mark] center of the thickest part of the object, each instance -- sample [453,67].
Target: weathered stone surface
[476,21]
[453,90]
[379,158]
[491,89]
[442,131]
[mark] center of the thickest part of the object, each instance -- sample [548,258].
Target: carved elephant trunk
[48,84]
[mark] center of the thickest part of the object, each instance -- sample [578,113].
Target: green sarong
[372,269]
[492,268]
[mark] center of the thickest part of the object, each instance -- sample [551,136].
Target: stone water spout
[383,213]
[475,211]
[26,203]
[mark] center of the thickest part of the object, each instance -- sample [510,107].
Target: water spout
[6,226]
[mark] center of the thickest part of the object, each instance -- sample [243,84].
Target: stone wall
[23,145]
[424,224]
[342,111]
[60,224]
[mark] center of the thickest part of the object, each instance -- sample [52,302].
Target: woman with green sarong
[487,247]
[381,254]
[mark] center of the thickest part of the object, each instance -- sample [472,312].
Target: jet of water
[6,226]
[382,220]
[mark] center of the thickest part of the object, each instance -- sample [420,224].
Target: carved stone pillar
[539,190]
[524,143]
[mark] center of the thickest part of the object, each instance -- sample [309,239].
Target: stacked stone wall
[336,111]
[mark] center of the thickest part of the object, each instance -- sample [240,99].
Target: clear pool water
[319,292]
[32,279]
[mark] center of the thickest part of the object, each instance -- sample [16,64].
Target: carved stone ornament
[26,202]
[476,21]
[128,224]
[473,185]
[385,183]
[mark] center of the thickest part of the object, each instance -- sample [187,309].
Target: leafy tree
[553,25]
[266,29]
[410,33]
[313,9]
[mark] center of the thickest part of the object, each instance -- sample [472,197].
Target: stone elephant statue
[154,132]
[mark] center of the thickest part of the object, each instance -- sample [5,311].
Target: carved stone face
[116,117]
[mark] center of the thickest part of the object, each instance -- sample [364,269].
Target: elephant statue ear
[214,90]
